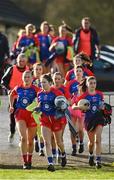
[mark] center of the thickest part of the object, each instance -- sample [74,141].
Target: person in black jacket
[86,40]
[4,53]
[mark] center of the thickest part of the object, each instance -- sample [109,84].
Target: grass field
[107,172]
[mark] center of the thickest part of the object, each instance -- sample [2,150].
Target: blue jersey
[44,41]
[36,82]
[73,86]
[26,41]
[31,50]
[25,96]
[72,75]
[46,100]
[95,103]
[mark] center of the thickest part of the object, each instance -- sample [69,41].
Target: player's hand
[52,46]
[75,107]
[11,109]
[55,44]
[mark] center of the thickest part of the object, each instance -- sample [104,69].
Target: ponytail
[83,86]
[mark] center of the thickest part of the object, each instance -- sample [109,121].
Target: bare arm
[11,102]
[52,46]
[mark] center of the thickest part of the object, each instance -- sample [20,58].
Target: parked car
[104,69]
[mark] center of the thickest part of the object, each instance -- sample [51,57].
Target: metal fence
[109,98]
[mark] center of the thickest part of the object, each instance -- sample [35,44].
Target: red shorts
[52,123]
[23,114]
[59,60]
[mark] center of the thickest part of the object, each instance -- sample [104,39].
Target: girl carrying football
[93,119]
[64,41]
[58,83]
[49,124]
[77,115]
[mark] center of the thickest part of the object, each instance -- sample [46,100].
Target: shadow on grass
[19,167]
[105,168]
[105,158]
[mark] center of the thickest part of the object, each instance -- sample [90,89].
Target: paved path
[9,149]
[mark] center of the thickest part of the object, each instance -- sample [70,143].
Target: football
[60,49]
[61,102]
[84,104]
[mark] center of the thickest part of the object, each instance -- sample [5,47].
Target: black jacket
[94,41]
[4,48]
[7,76]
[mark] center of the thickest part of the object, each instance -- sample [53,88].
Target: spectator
[12,78]
[86,40]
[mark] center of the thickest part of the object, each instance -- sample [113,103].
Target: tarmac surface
[9,154]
